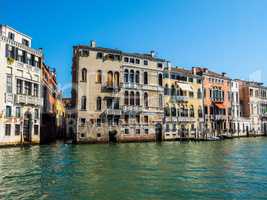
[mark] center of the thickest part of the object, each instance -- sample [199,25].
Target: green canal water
[232,169]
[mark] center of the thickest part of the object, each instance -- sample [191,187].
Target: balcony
[30,100]
[9,97]
[109,88]
[153,88]
[220,117]
[179,98]
[113,111]
[217,100]
[186,119]
[134,109]
[131,86]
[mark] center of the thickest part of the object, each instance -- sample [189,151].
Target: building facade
[20,99]
[263,109]
[183,105]
[117,96]
[217,105]
[53,111]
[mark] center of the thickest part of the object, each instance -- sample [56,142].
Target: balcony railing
[113,111]
[186,119]
[23,99]
[109,88]
[132,108]
[179,98]
[21,46]
[220,117]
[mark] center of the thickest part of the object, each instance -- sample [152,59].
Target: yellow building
[183,104]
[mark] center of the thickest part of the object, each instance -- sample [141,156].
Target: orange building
[53,109]
[216,101]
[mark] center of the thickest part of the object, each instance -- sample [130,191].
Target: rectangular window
[8,111]
[8,130]
[145,62]
[137,61]
[36,129]
[126,59]
[9,83]
[126,131]
[18,112]
[146,131]
[36,114]
[98,122]
[17,129]
[19,86]
[137,131]
[159,65]
[35,90]
[146,119]
[27,88]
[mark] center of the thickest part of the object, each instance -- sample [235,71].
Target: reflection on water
[234,169]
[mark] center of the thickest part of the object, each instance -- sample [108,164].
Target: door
[112,136]
[158,133]
[27,127]
[265,128]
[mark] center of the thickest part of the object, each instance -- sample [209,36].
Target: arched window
[126,98]
[200,114]
[98,103]
[160,101]
[173,111]
[160,79]
[84,75]
[145,99]
[117,79]
[99,76]
[83,103]
[132,76]
[145,78]
[137,99]
[110,79]
[137,76]
[173,91]
[126,75]
[166,89]
[132,98]
[192,114]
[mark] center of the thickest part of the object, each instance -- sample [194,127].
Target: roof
[119,52]
[207,72]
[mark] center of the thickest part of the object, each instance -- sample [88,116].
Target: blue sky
[223,35]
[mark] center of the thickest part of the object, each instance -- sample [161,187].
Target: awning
[185,87]
[219,105]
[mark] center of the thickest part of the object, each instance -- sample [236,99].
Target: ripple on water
[234,169]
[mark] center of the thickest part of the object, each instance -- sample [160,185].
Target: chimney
[194,70]
[206,70]
[152,53]
[93,43]
[223,74]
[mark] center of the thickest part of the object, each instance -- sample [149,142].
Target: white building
[239,124]
[20,77]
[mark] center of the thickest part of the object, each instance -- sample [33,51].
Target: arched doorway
[27,127]
[158,132]
[112,136]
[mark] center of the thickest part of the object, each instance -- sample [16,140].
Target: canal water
[232,169]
